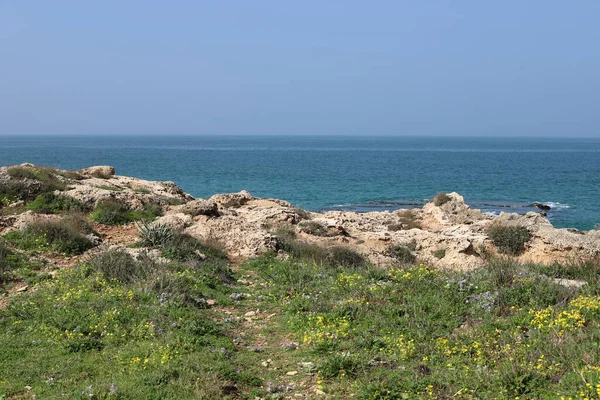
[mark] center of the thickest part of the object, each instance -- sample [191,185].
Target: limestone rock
[98,171]
[200,207]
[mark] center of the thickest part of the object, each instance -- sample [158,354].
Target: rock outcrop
[451,235]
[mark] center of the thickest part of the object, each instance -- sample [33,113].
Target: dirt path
[264,343]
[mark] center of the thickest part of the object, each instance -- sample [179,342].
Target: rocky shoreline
[447,235]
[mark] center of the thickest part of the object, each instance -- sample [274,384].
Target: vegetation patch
[401,253]
[99,331]
[115,212]
[51,203]
[509,239]
[62,236]
[439,254]
[316,229]
[183,247]
[406,220]
[441,198]
[27,183]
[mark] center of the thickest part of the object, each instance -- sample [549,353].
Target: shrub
[50,203]
[286,233]
[509,239]
[502,271]
[60,236]
[441,199]
[47,178]
[183,247]
[111,212]
[119,265]
[315,228]
[407,220]
[21,173]
[401,253]
[439,254]
[154,235]
[301,213]
[345,257]
[114,212]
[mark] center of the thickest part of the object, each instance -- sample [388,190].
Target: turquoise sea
[351,173]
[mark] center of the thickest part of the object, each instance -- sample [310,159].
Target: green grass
[503,331]
[64,236]
[83,334]
[115,212]
[51,203]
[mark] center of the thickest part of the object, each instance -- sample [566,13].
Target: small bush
[183,247]
[21,173]
[407,220]
[154,235]
[286,233]
[439,254]
[60,236]
[302,213]
[315,228]
[119,265]
[502,271]
[114,212]
[111,212]
[27,182]
[345,257]
[401,253]
[509,239]
[50,203]
[441,199]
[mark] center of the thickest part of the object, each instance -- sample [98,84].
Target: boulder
[200,207]
[98,171]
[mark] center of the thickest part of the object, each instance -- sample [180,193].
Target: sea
[349,173]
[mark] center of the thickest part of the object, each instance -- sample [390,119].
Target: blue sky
[482,68]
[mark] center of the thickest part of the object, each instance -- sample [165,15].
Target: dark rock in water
[541,206]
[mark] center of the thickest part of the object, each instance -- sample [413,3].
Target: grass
[509,239]
[115,212]
[65,236]
[90,333]
[15,266]
[122,327]
[183,247]
[27,183]
[503,331]
[51,203]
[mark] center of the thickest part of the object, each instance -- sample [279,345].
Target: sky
[335,67]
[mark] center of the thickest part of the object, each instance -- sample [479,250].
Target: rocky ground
[450,235]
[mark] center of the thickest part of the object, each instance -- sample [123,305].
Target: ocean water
[350,173]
